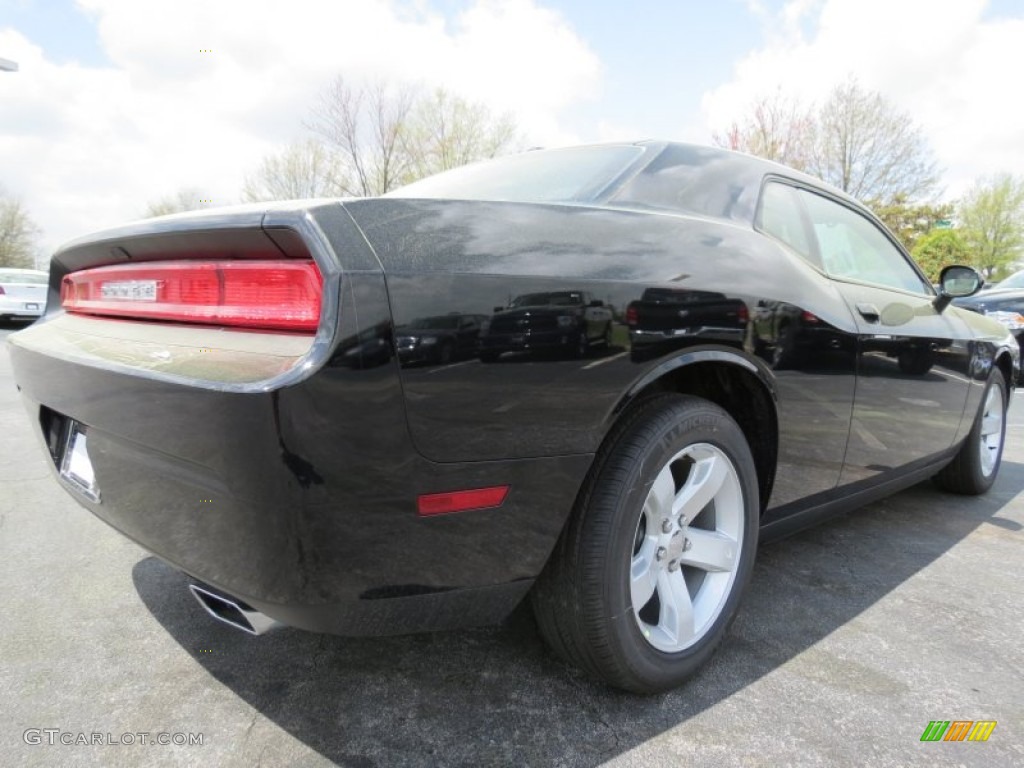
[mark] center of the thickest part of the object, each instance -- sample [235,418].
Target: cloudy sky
[118,102]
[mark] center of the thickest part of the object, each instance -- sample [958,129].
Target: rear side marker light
[461,501]
[274,295]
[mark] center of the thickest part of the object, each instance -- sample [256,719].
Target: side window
[780,217]
[852,246]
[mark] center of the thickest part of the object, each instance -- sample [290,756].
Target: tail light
[2,291]
[272,294]
[743,314]
[631,316]
[810,317]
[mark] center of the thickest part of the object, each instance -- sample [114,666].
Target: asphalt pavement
[853,637]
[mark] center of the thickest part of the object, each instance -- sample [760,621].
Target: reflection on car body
[663,319]
[563,321]
[441,339]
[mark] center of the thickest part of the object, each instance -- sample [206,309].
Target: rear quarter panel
[471,257]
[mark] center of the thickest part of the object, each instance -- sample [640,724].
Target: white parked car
[22,292]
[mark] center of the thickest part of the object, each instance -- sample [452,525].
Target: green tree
[992,219]
[185,199]
[940,248]
[910,222]
[18,234]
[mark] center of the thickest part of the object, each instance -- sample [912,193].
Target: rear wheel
[650,571]
[975,467]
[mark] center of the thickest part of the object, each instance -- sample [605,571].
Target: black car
[1003,302]
[562,321]
[664,318]
[191,383]
[439,340]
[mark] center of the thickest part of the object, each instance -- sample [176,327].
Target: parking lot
[852,638]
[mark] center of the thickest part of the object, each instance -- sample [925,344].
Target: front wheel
[650,571]
[976,465]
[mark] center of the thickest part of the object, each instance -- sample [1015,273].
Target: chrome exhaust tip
[233,612]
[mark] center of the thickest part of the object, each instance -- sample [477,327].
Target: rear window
[578,174]
[28,278]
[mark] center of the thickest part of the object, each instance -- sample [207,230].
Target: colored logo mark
[958,730]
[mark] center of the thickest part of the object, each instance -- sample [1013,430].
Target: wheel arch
[1005,364]
[744,389]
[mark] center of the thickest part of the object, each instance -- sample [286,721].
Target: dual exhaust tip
[234,612]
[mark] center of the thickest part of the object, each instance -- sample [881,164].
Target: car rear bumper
[299,500]
[18,308]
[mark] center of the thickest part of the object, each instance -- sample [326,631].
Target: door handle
[869,312]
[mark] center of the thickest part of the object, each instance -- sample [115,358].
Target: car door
[912,360]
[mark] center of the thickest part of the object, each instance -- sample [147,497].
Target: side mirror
[499,309]
[956,283]
[597,303]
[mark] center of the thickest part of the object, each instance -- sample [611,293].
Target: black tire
[915,362]
[966,473]
[582,600]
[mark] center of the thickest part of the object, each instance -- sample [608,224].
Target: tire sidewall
[703,423]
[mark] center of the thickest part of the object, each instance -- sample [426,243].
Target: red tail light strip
[461,501]
[277,295]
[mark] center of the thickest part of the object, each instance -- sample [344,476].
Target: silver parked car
[22,292]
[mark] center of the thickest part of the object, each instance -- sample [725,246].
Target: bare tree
[185,199]
[386,135]
[778,127]
[445,131]
[992,221]
[857,141]
[870,149]
[364,125]
[18,234]
[303,169]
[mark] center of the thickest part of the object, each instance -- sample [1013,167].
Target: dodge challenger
[198,383]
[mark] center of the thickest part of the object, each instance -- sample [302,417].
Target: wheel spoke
[643,576]
[659,500]
[705,479]
[991,424]
[684,573]
[710,550]
[676,617]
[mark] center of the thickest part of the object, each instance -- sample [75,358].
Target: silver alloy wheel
[686,547]
[991,430]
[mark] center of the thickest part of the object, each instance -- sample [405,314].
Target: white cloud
[87,147]
[950,69]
